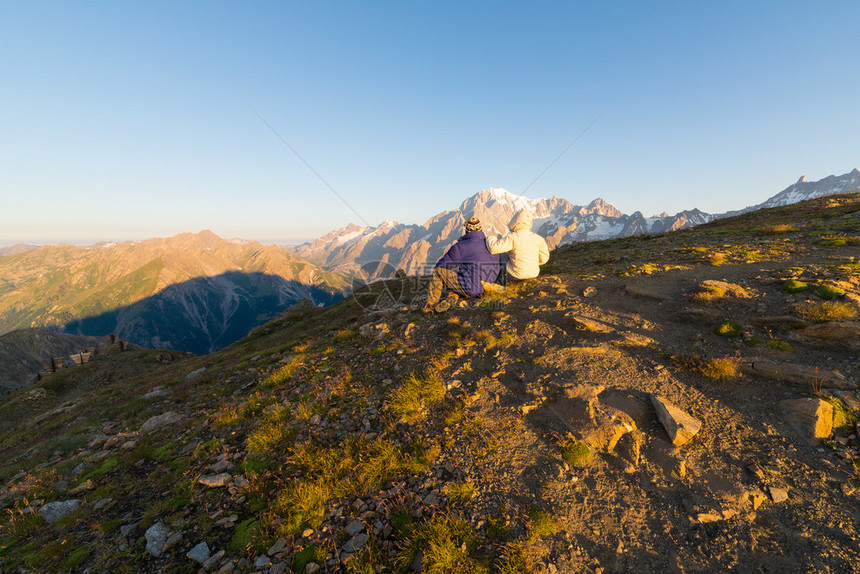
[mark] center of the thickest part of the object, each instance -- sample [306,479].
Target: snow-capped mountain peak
[415,248]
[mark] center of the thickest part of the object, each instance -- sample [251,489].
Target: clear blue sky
[126,120]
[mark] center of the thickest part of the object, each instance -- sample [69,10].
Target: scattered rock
[213,560]
[589,292]
[355,542]
[156,537]
[53,511]
[840,331]
[220,466]
[812,418]
[792,373]
[312,568]
[644,293]
[172,540]
[160,421]
[262,562]
[156,393]
[778,494]
[680,426]
[279,546]
[354,527]
[83,487]
[215,480]
[199,553]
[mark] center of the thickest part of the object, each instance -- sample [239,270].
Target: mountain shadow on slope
[203,314]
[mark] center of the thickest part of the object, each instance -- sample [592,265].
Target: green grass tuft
[576,452]
[729,329]
[794,286]
[541,523]
[828,292]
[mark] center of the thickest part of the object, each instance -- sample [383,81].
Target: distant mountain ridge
[413,248]
[803,190]
[193,292]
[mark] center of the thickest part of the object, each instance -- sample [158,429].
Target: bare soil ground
[652,516]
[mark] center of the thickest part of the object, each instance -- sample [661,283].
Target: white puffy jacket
[528,250]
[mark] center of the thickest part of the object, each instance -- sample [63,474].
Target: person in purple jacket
[462,269]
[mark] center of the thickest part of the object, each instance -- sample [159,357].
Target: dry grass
[353,468]
[411,401]
[826,311]
[779,228]
[720,368]
[708,295]
[717,258]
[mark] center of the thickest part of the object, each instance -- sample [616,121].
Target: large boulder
[812,418]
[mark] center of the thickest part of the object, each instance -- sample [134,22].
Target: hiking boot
[442,306]
[428,308]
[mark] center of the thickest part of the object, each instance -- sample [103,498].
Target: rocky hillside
[23,352]
[192,292]
[675,403]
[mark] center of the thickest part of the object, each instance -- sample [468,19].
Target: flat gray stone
[355,542]
[127,529]
[213,560]
[279,546]
[156,537]
[172,540]
[53,511]
[199,553]
[160,421]
[216,480]
[354,527]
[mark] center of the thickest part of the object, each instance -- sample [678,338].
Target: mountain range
[193,292]
[416,248]
[197,292]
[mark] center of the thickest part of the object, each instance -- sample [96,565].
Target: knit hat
[473,224]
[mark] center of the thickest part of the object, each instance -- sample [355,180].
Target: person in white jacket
[528,250]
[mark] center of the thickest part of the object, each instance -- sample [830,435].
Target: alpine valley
[192,292]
